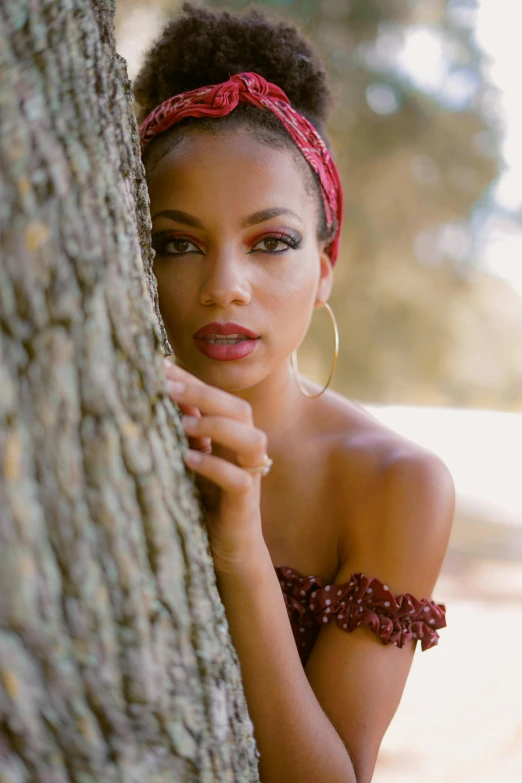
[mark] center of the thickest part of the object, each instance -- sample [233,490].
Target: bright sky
[137,28]
[498,31]
[497,25]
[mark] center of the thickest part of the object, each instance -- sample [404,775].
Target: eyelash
[160,242]
[291,242]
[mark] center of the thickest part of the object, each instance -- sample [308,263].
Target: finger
[179,376]
[198,443]
[246,441]
[210,400]
[225,474]
[189,410]
[175,372]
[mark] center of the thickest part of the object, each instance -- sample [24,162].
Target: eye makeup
[292,238]
[161,239]
[290,242]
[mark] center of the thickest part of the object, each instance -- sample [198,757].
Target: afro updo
[202,47]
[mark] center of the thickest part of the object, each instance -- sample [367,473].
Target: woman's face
[235,233]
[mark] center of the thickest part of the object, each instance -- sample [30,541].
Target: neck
[277,404]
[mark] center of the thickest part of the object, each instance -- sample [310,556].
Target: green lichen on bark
[115,658]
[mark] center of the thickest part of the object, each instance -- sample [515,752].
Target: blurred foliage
[418,155]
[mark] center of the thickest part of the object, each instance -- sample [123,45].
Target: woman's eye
[174,246]
[276,244]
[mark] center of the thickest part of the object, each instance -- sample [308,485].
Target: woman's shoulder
[394,499]
[356,439]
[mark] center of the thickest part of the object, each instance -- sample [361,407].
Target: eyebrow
[268,214]
[179,217]
[252,220]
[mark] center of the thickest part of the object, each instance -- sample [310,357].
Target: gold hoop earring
[295,368]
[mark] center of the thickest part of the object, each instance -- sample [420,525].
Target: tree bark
[115,658]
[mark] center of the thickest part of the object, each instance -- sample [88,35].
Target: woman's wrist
[244,568]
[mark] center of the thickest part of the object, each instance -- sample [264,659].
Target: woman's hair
[202,47]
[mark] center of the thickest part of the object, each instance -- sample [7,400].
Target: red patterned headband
[219,100]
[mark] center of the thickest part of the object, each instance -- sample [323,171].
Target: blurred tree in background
[420,321]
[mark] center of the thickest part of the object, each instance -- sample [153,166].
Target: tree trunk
[115,658]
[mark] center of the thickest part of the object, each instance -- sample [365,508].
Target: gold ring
[263,467]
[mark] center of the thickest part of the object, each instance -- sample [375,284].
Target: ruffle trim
[361,601]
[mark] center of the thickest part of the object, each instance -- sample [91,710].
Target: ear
[324,284]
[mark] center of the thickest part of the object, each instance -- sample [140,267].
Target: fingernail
[189,423]
[193,457]
[175,388]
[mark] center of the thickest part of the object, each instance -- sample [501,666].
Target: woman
[348,534]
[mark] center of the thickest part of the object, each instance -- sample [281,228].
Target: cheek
[296,286]
[175,292]
[171,282]
[292,300]
[290,304]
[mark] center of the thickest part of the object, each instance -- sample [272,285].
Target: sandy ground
[460,719]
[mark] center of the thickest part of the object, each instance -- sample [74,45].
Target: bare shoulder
[393,504]
[394,500]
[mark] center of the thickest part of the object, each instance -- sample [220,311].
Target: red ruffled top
[361,601]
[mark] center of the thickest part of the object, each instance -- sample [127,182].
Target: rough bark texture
[115,658]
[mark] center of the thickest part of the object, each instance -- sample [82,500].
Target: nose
[226,280]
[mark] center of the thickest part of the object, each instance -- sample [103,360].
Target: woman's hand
[218,422]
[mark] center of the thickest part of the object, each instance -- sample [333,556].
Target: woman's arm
[296,740]
[404,514]
[323,724]
[326,723]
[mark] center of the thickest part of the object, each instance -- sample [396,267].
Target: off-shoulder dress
[363,600]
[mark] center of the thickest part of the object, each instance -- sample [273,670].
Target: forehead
[229,172]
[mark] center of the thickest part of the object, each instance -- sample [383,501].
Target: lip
[224,329]
[226,353]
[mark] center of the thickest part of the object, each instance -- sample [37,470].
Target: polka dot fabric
[362,601]
[218,100]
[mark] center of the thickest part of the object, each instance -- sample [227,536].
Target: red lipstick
[225,341]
